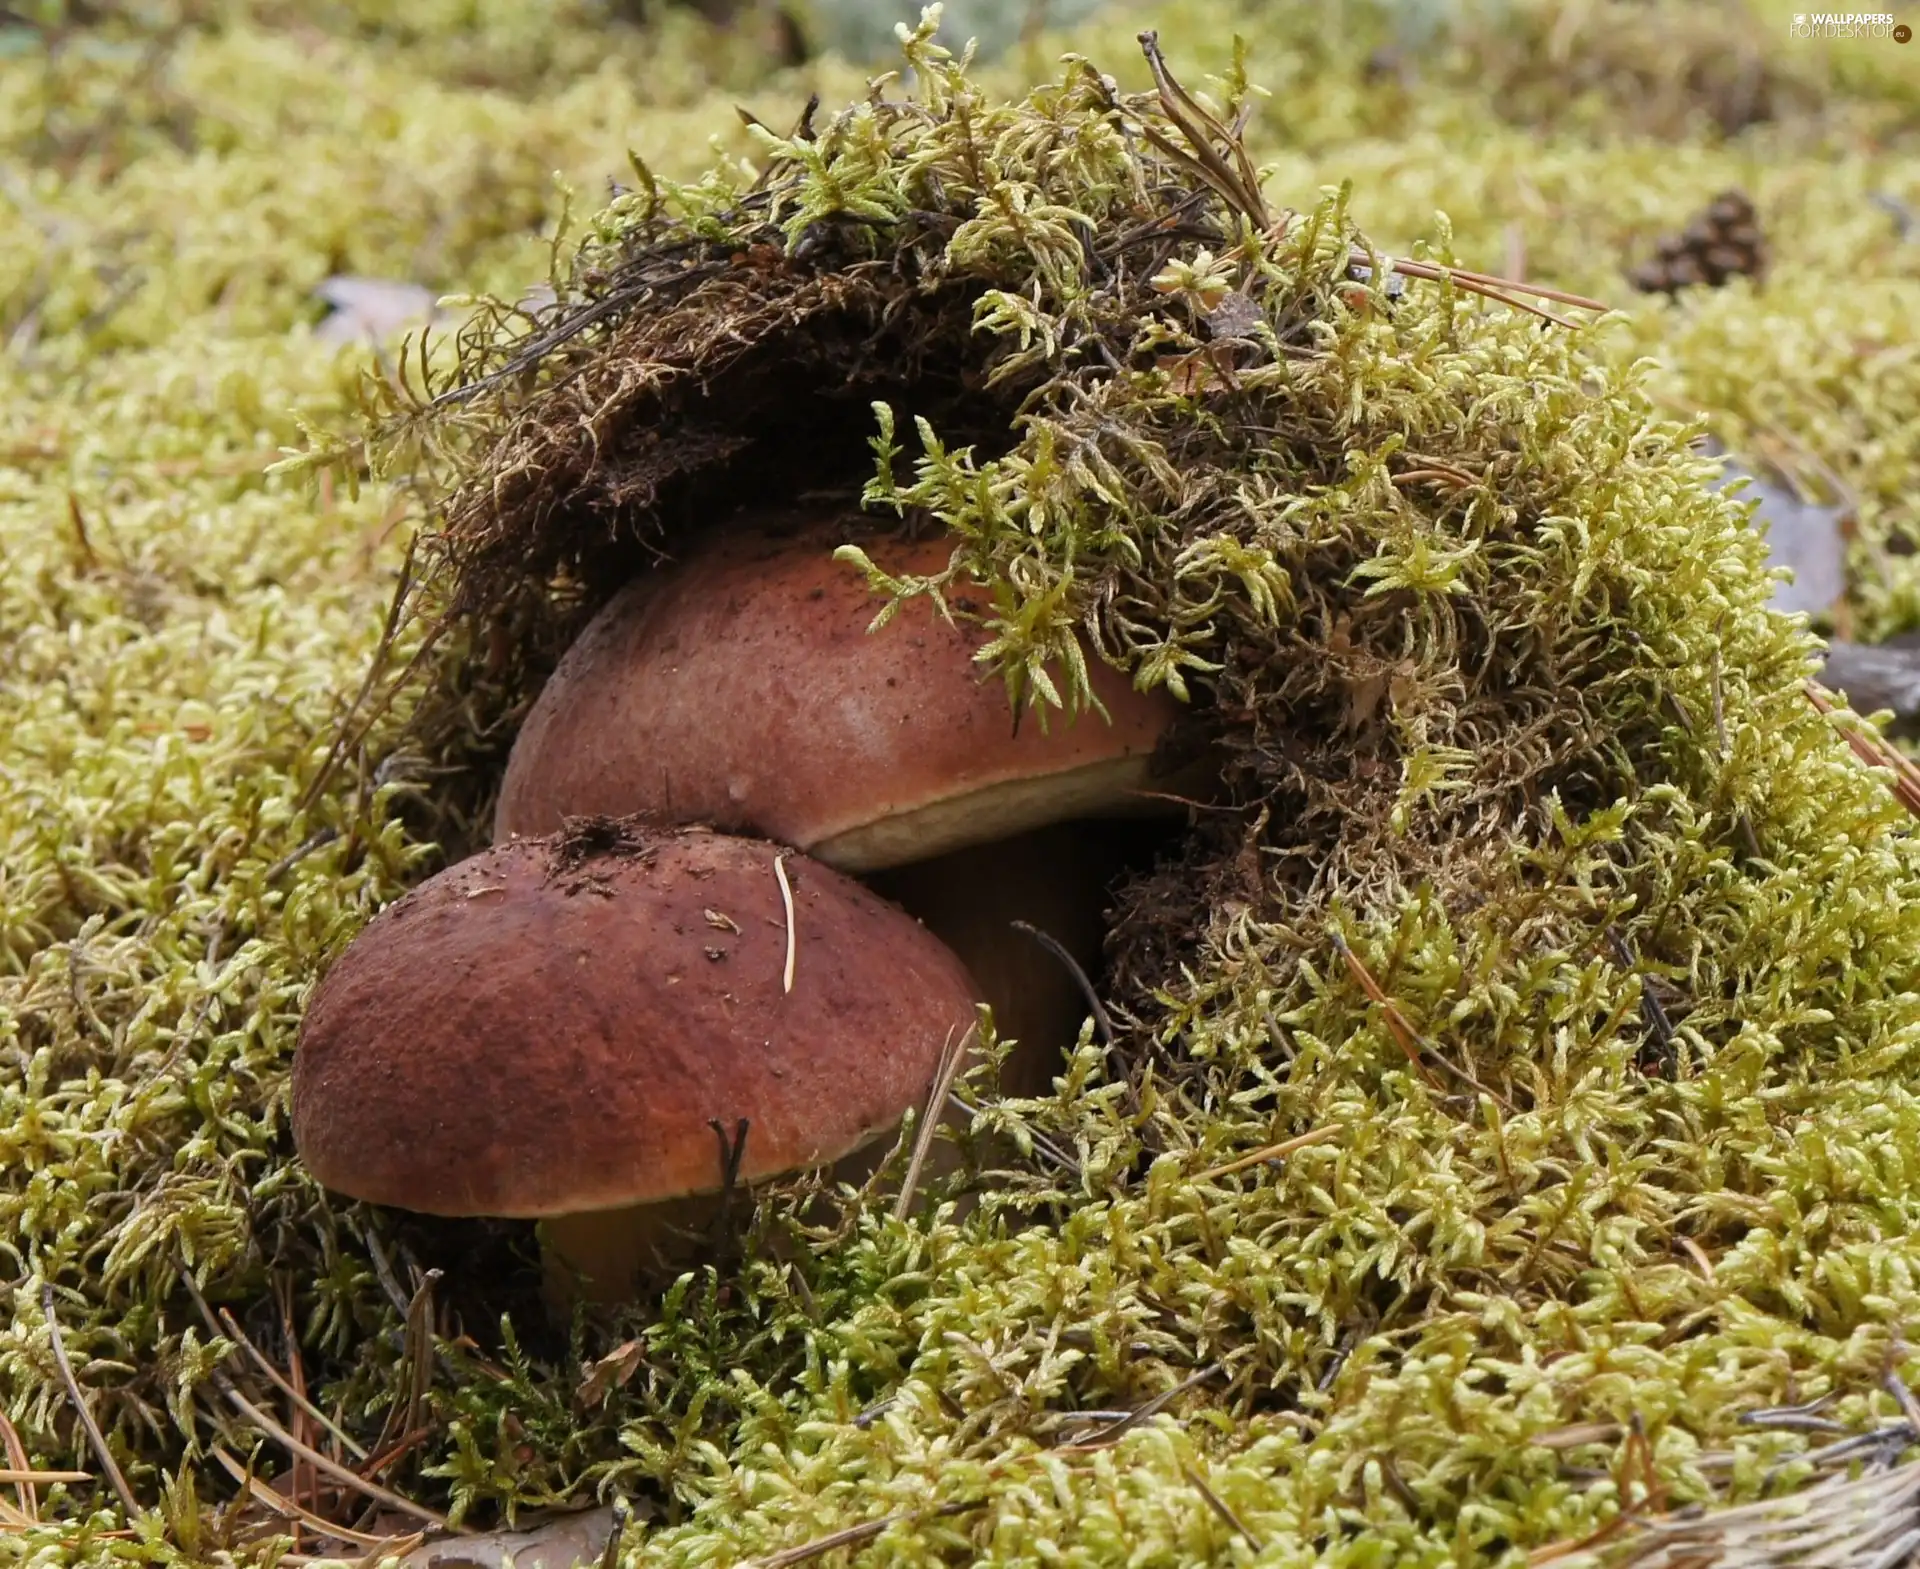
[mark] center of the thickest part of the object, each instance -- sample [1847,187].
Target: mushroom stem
[1053,878]
[601,1255]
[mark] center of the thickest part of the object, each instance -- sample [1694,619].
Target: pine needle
[95,1438]
[786,899]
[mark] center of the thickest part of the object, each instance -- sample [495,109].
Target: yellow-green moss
[182,635]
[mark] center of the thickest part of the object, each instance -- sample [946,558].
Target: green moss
[1484,724]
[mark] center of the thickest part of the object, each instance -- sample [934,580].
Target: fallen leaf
[373,309]
[1805,535]
[1877,676]
[1236,316]
[612,1370]
[562,1543]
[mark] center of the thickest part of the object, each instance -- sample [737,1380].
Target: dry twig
[95,1438]
[954,1053]
[320,1462]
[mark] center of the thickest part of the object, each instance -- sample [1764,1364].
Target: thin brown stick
[17,1458]
[951,1057]
[850,1536]
[399,1449]
[1235,180]
[1219,1506]
[306,1486]
[332,1468]
[1435,272]
[1271,1152]
[288,1508]
[1058,949]
[1417,1047]
[1875,752]
[1112,1434]
[234,1332]
[29,1477]
[96,1438]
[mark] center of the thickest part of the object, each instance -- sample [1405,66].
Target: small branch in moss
[1903,1397]
[853,1536]
[320,1462]
[1236,181]
[1874,751]
[1270,1152]
[1503,291]
[290,1509]
[1417,1047]
[1218,1505]
[397,1451]
[1664,1058]
[299,853]
[95,1438]
[951,1057]
[16,1452]
[732,1152]
[383,1269]
[1055,947]
[1041,1142]
[1113,1433]
[402,595]
[416,1357]
[231,1326]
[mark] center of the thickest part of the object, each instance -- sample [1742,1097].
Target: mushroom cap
[742,688]
[547,1028]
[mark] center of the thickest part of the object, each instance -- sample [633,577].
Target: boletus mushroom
[552,1029]
[742,687]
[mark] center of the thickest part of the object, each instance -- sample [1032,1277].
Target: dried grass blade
[288,1508]
[1875,751]
[18,1459]
[95,1438]
[1434,272]
[1219,1506]
[951,1057]
[1111,1434]
[851,1536]
[332,1468]
[1241,185]
[1270,1152]
[234,1332]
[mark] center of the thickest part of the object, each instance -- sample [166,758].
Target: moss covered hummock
[1512,1086]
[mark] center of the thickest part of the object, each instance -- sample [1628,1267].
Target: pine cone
[1722,242]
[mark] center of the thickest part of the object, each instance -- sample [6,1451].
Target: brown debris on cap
[549,1027]
[741,688]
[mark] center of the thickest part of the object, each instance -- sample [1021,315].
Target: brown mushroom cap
[548,1027]
[741,688]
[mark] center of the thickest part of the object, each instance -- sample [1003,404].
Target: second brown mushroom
[742,688]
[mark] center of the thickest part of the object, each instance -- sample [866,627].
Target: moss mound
[1512,1083]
